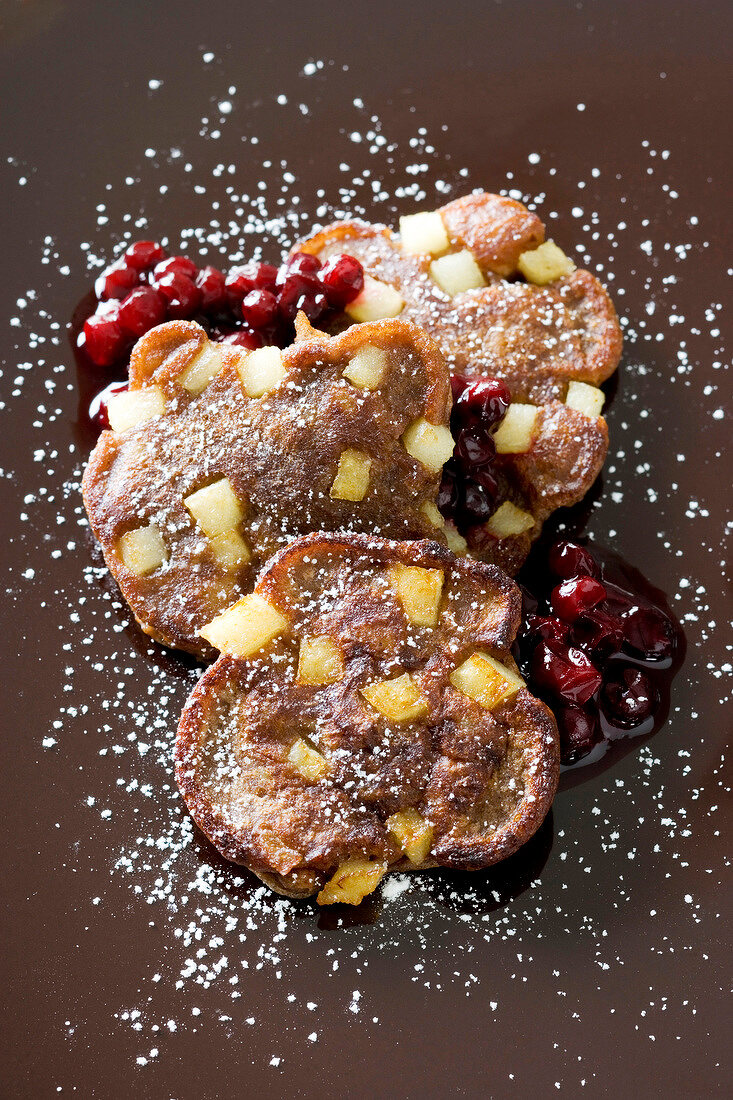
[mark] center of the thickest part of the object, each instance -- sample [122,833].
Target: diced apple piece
[431,513]
[131,407]
[423,233]
[455,541]
[514,434]
[456,272]
[412,832]
[143,550]
[352,477]
[309,762]
[230,549]
[261,371]
[431,444]
[376,301]
[545,264]
[354,879]
[320,661]
[485,680]
[399,700]
[586,399]
[215,507]
[419,591]
[509,520]
[367,369]
[246,627]
[199,372]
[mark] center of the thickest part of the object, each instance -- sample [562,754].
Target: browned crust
[496,229]
[515,748]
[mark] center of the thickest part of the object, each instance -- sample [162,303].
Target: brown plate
[135,958]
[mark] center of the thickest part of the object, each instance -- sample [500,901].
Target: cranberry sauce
[598,644]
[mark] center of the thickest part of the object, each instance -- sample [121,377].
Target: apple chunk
[412,832]
[419,591]
[399,700]
[514,434]
[230,549]
[367,368]
[309,762]
[143,550]
[456,272]
[509,520]
[354,879]
[584,398]
[423,233]
[261,371]
[375,302]
[431,513]
[320,661]
[246,627]
[199,372]
[131,407]
[545,264]
[352,477]
[431,444]
[215,507]
[485,680]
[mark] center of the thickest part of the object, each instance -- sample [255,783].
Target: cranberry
[448,493]
[574,597]
[176,265]
[541,628]
[98,410]
[648,632]
[343,280]
[211,283]
[486,400]
[300,263]
[301,292]
[458,384]
[242,338]
[142,310]
[485,476]
[529,602]
[246,277]
[474,447]
[182,296]
[565,671]
[477,504]
[144,255]
[568,559]
[104,338]
[628,699]
[579,732]
[259,308]
[116,281]
[598,632]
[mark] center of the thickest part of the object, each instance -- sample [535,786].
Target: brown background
[606,963]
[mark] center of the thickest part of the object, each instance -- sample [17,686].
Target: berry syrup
[598,644]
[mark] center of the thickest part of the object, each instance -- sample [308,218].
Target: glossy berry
[300,263]
[104,338]
[648,633]
[476,504]
[572,598]
[241,338]
[144,255]
[579,732]
[250,276]
[474,447]
[342,278]
[212,285]
[569,559]
[566,672]
[485,476]
[541,628]
[458,384]
[182,296]
[259,308]
[301,292]
[116,281]
[628,699]
[98,410]
[142,310]
[448,495]
[176,265]
[486,401]
[599,633]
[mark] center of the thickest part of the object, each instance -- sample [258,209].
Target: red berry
[104,339]
[116,281]
[448,494]
[474,447]
[343,279]
[144,255]
[542,628]
[176,265]
[212,285]
[259,308]
[98,410]
[574,597]
[648,632]
[242,338]
[182,296]
[142,310]
[599,633]
[486,400]
[579,732]
[568,559]
[565,672]
[458,384]
[629,699]
[250,276]
[301,292]
[477,503]
[300,263]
